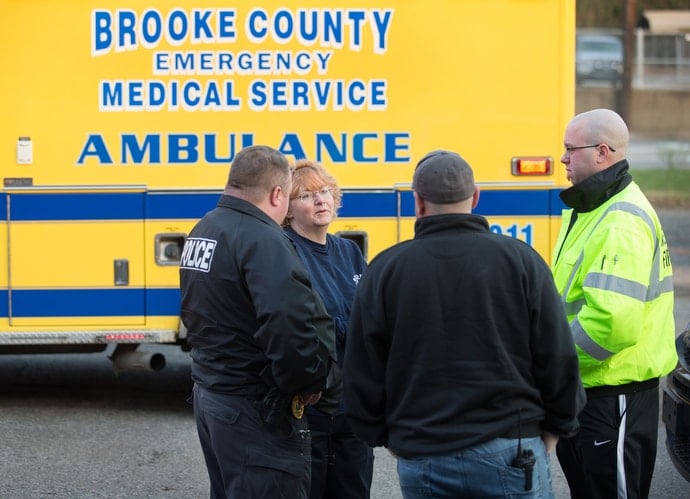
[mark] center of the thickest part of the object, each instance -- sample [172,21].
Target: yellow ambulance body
[120,120]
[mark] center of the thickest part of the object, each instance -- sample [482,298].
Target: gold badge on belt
[297,407]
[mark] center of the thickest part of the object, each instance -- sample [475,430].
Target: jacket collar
[238,204]
[593,191]
[457,222]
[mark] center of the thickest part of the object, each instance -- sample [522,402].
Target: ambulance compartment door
[76,258]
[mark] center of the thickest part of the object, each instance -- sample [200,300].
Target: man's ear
[419,206]
[276,194]
[475,197]
[603,153]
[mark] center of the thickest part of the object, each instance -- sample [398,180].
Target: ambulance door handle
[121,272]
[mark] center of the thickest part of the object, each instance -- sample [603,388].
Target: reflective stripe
[652,287]
[569,284]
[599,281]
[619,285]
[663,286]
[574,307]
[633,209]
[587,344]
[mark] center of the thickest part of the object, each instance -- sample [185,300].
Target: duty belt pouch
[274,407]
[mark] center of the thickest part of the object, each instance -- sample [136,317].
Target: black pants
[342,466]
[614,452]
[247,458]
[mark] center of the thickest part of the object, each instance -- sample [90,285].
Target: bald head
[603,126]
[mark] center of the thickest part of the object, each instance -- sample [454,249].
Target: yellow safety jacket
[613,271]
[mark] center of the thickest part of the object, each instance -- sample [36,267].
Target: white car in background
[599,58]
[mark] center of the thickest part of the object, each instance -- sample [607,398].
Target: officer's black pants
[245,457]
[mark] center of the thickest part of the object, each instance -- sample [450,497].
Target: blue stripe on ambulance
[153,205]
[192,205]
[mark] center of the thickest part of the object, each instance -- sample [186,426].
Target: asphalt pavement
[647,154]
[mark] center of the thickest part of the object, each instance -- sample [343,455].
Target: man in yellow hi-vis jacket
[613,270]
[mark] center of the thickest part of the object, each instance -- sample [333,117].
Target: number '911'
[519,232]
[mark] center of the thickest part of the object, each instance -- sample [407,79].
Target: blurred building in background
[660,76]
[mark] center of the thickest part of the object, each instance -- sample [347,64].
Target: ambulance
[120,120]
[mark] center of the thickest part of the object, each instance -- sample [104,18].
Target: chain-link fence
[661,60]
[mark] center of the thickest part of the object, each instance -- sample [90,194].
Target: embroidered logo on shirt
[598,443]
[356,278]
[198,254]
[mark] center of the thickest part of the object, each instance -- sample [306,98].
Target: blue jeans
[481,471]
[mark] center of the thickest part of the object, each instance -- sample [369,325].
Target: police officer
[612,268]
[261,339]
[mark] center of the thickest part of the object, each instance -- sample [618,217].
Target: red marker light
[534,165]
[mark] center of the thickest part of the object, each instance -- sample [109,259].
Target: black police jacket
[253,319]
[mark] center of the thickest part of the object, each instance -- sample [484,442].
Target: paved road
[78,431]
[644,153]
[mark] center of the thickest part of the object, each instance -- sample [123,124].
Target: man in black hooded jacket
[459,358]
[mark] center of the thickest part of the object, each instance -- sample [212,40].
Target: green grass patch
[665,187]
